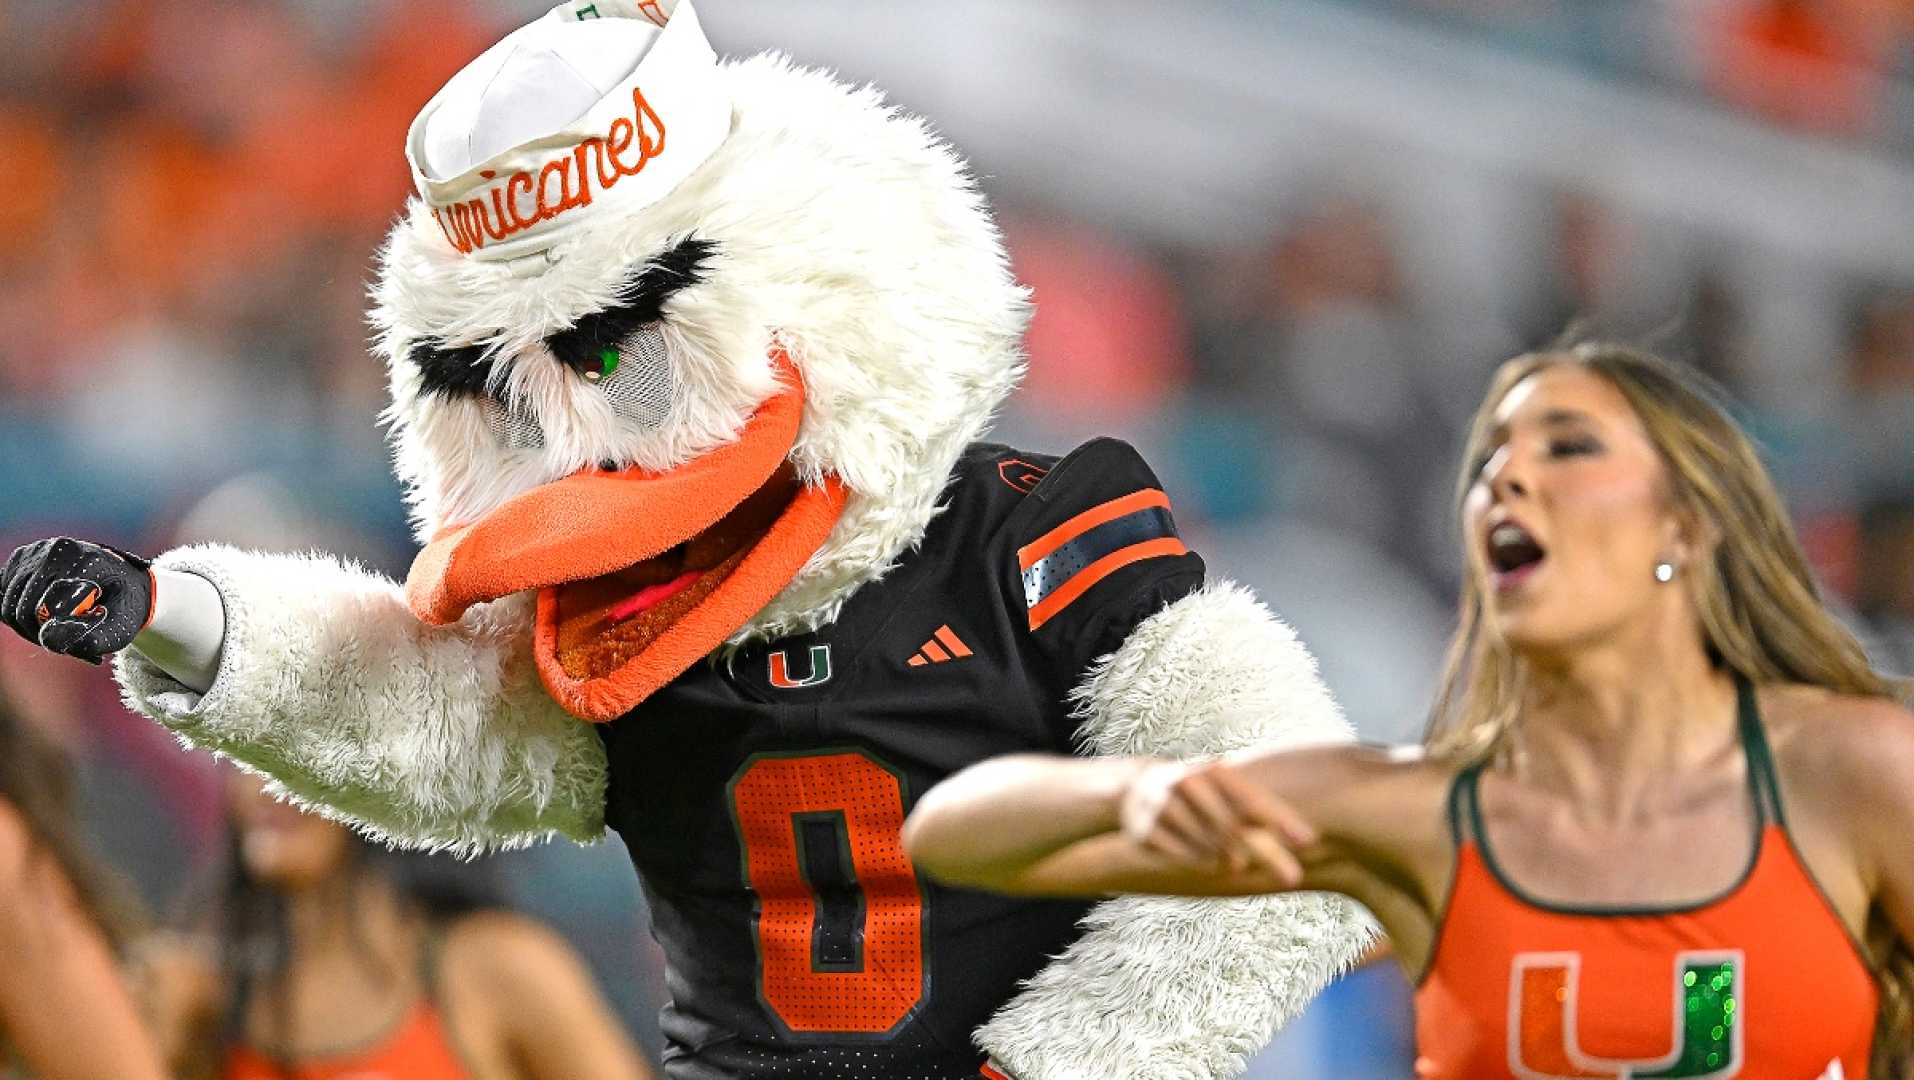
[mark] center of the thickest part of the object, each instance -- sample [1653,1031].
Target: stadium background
[1277,245]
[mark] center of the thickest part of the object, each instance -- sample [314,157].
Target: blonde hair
[1760,611]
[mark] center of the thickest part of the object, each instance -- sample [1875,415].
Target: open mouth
[1514,554]
[640,574]
[604,622]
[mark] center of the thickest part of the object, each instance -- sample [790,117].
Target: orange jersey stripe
[1066,593]
[1031,553]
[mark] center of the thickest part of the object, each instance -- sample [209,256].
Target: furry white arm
[422,736]
[1166,988]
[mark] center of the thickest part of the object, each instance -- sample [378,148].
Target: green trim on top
[1458,827]
[1762,791]
[1439,928]
[1760,759]
[1763,758]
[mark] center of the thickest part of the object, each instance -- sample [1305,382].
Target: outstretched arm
[424,736]
[1058,826]
[1167,987]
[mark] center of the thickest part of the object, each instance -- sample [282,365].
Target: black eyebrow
[463,370]
[641,301]
[451,371]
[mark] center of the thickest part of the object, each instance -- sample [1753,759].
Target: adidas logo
[942,648]
[1835,1072]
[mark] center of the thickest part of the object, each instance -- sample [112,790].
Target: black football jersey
[761,795]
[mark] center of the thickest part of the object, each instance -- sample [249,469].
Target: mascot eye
[635,375]
[513,423]
[633,372]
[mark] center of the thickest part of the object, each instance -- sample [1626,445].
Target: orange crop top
[418,1049]
[1764,981]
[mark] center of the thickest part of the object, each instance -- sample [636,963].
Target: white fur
[1163,988]
[851,236]
[845,231]
[437,737]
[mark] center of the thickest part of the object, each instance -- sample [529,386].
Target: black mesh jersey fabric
[761,793]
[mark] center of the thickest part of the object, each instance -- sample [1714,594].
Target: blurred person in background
[1815,64]
[1643,671]
[65,1014]
[1880,376]
[314,962]
[308,954]
[1886,601]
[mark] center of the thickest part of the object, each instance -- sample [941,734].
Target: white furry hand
[420,735]
[1167,987]
[1206,815]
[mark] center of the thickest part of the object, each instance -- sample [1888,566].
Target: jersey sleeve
[1094,550]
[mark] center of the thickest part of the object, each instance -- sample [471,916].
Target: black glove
[79,599]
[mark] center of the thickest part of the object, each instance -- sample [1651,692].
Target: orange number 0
[840,921]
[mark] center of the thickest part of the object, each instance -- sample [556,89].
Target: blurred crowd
[1835,66]
[194,190]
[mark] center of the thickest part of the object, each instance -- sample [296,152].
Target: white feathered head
[689,347]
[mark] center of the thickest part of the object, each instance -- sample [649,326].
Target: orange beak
[596,523]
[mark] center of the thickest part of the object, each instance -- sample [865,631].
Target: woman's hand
[1207,814]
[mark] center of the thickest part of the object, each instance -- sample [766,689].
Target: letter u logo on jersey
[1704,1032]
[820,669]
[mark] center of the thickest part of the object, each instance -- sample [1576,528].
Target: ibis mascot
[691,362]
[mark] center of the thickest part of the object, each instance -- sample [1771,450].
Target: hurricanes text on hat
[600,106]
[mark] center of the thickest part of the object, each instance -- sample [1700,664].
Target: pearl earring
[1664,571]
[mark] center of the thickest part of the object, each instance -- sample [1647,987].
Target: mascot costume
[689,364]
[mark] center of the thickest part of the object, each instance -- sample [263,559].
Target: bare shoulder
[505,950]
[1851,744]
[1838,736]
[520,983]
[502,938]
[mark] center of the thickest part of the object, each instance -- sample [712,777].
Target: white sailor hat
[599,107]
